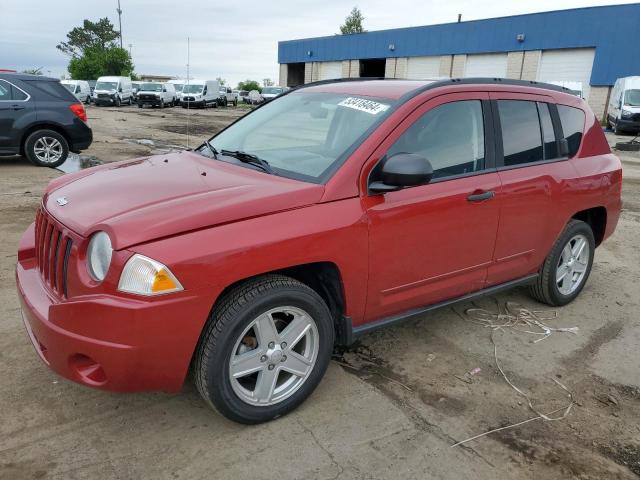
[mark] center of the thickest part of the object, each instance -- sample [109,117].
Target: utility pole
[120,21]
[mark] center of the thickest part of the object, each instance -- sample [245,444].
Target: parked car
[624,105]
[156,94]
[255,98]
[135,86]
[243,96]
[178,85]
[269,93]
[40,119]
[113,91]
[79,88]
[200,94]
[332,211]
[227,97]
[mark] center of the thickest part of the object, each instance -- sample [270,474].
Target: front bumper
[153,102]
[111,342]
[632,123]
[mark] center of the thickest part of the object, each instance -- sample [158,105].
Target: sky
[235,41]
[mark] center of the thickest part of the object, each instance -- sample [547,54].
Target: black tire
[130,102]
[225,102]
[29,145]
[162,103]
[616,128]
[118,102]
[545,289]
[87,100]
[139,105]
[229,318]
[235,103]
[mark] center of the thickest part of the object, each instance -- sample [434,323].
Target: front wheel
[118,102]
[567,267]
[264,350]
[161,103]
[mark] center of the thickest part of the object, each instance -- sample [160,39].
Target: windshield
[151,87]
[106,85]
[271,90]
[303,135]
[192,88]
[632,98]
[178,87]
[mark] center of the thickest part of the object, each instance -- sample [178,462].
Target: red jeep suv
[333,210]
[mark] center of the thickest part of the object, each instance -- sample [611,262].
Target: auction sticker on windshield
[363,105]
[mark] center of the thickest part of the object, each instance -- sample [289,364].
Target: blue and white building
[593,46]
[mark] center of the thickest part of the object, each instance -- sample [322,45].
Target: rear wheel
[264,350]
[566,269]
[46,148]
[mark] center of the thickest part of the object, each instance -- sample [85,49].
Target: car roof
[394,89]
[26,77]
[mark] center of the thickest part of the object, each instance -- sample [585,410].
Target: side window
[5,91]
[18,94]
[521,136]
[548,135]
[572,120]
[451,137]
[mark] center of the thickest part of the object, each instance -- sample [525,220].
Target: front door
[434,242]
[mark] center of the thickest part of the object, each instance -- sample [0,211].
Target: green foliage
[353,22]
[221,81]
[91,35]
[33,71]
[97,62]
[249,85]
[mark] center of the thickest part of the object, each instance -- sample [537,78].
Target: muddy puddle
[75,163]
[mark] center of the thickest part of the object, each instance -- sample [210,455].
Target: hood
[140,200]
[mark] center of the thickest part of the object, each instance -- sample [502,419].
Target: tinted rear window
[52,89]
[521,137]
[572,120]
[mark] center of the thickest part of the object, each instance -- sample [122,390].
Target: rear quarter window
[572,120]
[52,89]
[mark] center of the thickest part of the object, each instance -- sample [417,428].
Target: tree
[33,71]
[97,62]
[267,82]
[221,81]
[94,51]
[91,35]
[353,22]
[249,85]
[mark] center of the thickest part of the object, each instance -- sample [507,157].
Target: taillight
[79,111]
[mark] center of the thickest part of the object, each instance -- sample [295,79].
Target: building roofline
[455,23]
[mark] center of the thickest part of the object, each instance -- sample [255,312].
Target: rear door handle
[481,197]
[17,107]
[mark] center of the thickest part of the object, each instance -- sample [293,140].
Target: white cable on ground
[522,320]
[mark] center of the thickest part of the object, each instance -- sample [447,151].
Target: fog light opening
[89,371]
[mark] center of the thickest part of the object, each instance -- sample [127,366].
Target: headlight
[627,113]
[99,256]
[144,276]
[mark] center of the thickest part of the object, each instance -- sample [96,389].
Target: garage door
[330,70]
[486,65]
[567,65]
[422,68]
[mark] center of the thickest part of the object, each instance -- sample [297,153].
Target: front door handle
[481,197]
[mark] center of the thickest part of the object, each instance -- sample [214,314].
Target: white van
[178,85]
[156,94]
[80,88]
[575,88]
[113,91]
[623,112]
[200,93]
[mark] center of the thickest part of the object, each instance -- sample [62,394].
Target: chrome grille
[52,253]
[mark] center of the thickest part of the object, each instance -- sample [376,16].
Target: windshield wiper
[249,158]
[212,149]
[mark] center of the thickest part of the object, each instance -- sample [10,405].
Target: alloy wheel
[274,356]
[573,264]
[48,149]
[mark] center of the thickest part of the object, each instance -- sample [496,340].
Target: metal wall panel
[423,68]
[570,65]
[486,65]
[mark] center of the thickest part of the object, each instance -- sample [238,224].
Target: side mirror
[164,89]
[204,92]
[120,90]
[403,170]
[563,146]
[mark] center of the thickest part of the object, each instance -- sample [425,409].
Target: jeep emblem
[62,201]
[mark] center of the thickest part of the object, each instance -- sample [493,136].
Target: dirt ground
[390,407]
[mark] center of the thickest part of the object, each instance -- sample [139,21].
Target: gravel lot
[390,407]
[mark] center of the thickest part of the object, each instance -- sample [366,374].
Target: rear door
[533,175]
[16,112]
[434,242]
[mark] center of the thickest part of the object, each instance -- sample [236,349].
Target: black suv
[40,119]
